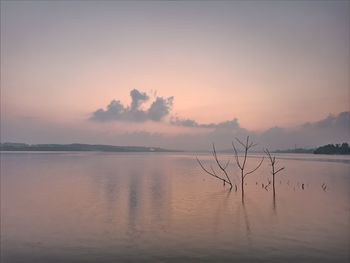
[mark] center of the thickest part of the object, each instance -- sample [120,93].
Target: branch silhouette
[246,147]
[226,179]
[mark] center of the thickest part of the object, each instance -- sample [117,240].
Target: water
[161,207]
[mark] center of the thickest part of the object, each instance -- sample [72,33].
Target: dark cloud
[36,130]
[340,120]
[184,122]
[332,129]
[160,108]
[137,98]
[232,124]
[116,111]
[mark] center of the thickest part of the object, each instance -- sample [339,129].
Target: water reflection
[245,216]
[134,200]
[131,208]
[274,201]
[160,198]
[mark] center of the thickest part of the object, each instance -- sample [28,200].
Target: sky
[175,74]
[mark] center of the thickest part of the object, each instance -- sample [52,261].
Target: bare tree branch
[236,156]
[211,173]
[274,171]
[279,170]
[246,146]
[241,143]
[223,169]
[212,169]
[252,171]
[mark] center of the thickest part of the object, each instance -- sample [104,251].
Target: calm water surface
[138,207]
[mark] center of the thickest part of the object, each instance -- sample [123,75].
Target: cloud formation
[160,108]
[116,111]
[331,129]
[137,98]
[342,120]
[231,124]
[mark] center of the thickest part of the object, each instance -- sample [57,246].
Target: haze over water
[161,207]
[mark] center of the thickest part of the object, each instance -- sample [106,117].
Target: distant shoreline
[329,149]
[78,147]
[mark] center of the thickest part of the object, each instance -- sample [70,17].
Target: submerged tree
[242,165]
[226,179]
[274,170]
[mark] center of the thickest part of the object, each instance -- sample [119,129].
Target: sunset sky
[175,74]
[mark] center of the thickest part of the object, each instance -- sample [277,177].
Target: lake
[161,207]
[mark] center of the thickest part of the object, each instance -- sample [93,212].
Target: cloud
[231,124]
[160,108]
[342,120]
[332,129]
[116,111]
[184,122]
[137,98]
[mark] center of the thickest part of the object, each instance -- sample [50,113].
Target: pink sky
[265,63]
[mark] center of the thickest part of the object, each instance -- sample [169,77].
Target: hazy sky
[194,68]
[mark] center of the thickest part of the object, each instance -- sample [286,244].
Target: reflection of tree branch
[220,208]
[266,186]
[274,202]
[246,218]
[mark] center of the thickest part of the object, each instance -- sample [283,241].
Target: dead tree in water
[223,168]
[274,171]
[246,147]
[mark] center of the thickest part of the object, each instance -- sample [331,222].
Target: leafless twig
[246,147]
[273,163]
[226,179]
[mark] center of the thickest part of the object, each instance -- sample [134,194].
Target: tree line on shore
[333,149]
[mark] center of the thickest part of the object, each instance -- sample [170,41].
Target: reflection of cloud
[133,201]
[116,111]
